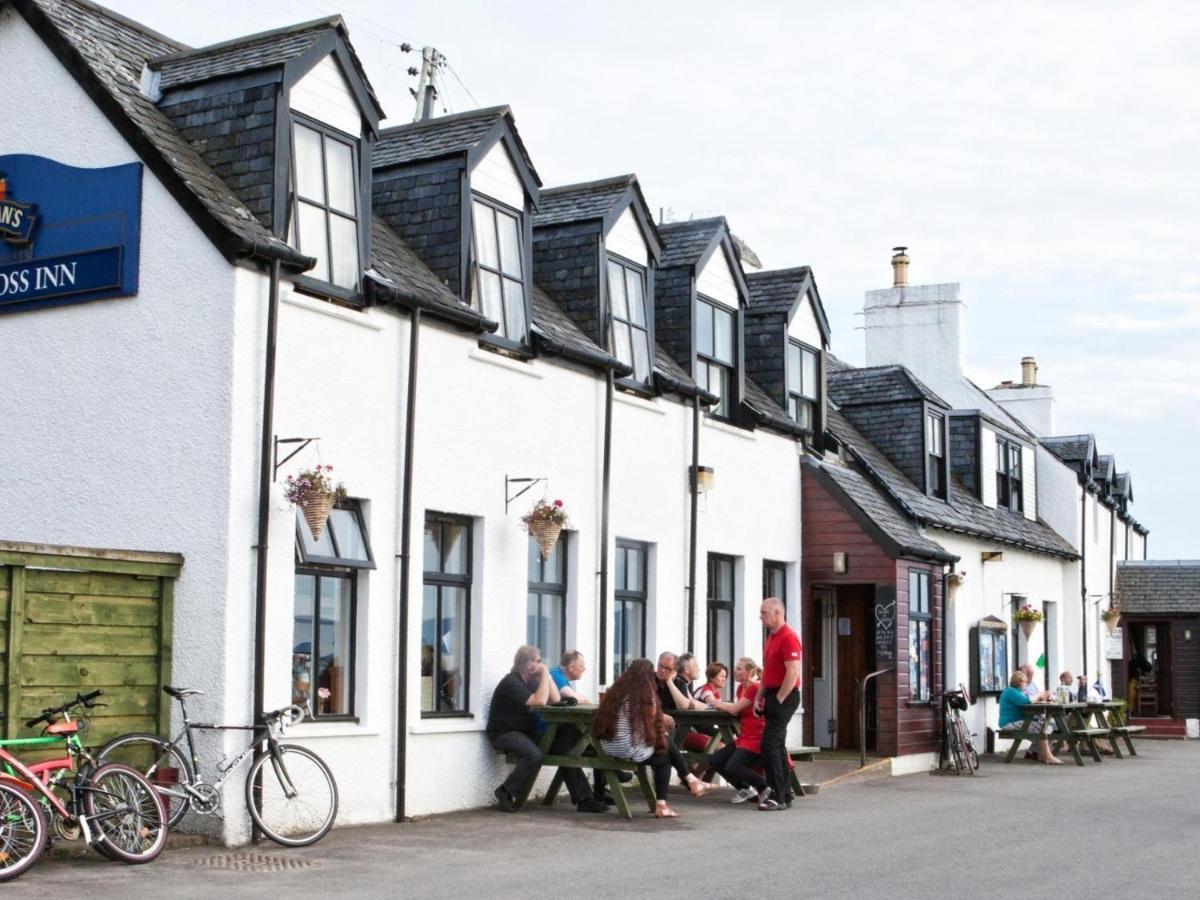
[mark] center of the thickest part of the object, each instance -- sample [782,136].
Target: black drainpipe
[1083,573]
[691,604]
[946,573]
[1112,551]
[265,473]
[604,498]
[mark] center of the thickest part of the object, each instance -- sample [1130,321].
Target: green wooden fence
[76,619]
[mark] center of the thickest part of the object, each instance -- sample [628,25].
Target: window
[935,455]
[774,582]
[715,359]
[629,606]
[919,622]
[499,288]
[630,336]
[720,609]
[446,615]
[1008,475]
[803,383]
[325,213]
[546,610]
[324,609]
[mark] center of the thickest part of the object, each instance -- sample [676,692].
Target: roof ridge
[792,270]
[624,180]
[1068,437]
[128,22]
[409,127]
[298,28]
[705,221]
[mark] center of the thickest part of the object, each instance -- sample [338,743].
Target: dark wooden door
[851,660]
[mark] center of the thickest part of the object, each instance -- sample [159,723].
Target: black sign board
[885,624]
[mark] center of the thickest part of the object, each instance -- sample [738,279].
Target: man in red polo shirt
[777,701]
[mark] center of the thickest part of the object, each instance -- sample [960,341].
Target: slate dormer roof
[583,202]
[688,243]
[1104,469]
[1159,587]
[445,136]
[1073,449]
[1123,486]
[777,291]
[877,384]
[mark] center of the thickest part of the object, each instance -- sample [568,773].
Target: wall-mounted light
[704,478]
[840,563]
[988,556]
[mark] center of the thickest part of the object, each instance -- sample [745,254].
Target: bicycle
[958,744]
[290,793]
[113,807]
[22,832]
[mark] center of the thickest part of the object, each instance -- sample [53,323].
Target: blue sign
[67,235]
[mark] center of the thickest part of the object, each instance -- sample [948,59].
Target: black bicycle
[959,746]
[290,792]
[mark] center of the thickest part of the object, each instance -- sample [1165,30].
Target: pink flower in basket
[545,522]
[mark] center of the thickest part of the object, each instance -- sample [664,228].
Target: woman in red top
[737,763]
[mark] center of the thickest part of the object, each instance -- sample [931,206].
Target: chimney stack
[899,267]
[1028,371]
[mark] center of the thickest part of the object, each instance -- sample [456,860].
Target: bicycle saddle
[180,693]
[63,727]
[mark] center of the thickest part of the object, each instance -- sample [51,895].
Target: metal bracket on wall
[303,442]
[528,482]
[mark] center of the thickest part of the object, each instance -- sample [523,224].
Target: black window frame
[350,575]
[768,566]
[326,287]
[623,596]
[303,557]
[448,579]
[920,620]
[936,480]
[627,268]
[501,337]
[794,399]
[548,589]
[1009,493]
[726,409]
[715,607]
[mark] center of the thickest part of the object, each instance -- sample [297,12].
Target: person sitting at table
[513,728]
[713,688]
[569,670]
[631,724]
[1066,687]
[671,697]
[1030,674]
[740,764]
[1011,700]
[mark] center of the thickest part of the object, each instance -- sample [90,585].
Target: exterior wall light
[704,478]
[840,563]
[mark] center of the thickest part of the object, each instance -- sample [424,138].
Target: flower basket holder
[1111,623]
[1027,626]
[316,509]
[546,534]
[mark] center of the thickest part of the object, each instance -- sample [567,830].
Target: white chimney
[1029,401]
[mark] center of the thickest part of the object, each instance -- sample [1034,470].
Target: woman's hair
[750,666]
[714,669]
[636,689]
[1018,677]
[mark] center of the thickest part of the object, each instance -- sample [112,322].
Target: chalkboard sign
[885,624]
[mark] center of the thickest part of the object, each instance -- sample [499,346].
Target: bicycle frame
[42,777]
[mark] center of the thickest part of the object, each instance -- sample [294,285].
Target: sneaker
[592,805]
[769,805]
[505,800]
[746,793]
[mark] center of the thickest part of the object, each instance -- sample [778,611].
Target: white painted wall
[324,95]
[1032,405]
[716,280]
[1029,471]
[625,239]
[922,327]
[1058,495]
[803,325]
[495,176]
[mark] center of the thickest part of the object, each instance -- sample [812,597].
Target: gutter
[669,384]
[778,422]
[596,358]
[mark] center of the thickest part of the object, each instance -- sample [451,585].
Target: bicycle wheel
[297,800]
[969,753]
[163,765]
[125,813]
[953,756]
[22,832]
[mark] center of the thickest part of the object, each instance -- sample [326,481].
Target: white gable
[495,176]
[716,280]
[987,464]
[625,239]
[803,326]
[323,94]
[1028,482]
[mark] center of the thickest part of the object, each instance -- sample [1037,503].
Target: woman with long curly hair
[629,724]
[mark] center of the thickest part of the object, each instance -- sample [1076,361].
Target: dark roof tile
[1159,587]
[685,242]
[581,202]
[245,54]
[444,136]
[877,384]
[775,290]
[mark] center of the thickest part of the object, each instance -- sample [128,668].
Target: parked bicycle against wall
[22,831]
[113,807]
[958,746]
[290,792]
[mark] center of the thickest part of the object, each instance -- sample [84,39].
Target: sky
[1041,155]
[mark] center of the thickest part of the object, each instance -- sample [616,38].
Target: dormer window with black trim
[499,280]
[325,203]
[935,455]
[1008,475]
[803,383]
[716,359]
[627,300]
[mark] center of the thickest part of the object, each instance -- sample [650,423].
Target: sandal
[662,811]
[700,788]
[1053,761]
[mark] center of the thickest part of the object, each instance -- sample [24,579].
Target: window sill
[493,358]
[502,345]
[639,401]
[729,428]
[344,728]
[443,724]
[328,291]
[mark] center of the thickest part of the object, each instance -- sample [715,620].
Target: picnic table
[1070,728]
[1109,715]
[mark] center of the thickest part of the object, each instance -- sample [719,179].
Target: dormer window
[630,335]
[325,213]
[803,383]
[499,287]
[935,455]
[715,357]
[1008,475]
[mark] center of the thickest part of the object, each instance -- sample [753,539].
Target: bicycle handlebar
[84,700]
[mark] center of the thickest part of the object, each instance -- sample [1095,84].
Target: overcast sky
[1042,155]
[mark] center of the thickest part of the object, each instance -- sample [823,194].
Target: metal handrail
[862,715]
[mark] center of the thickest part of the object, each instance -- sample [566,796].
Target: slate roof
[580,202]
[1121,484]
[775,290]
[760,402]
[963,513]
[396,261]
[1070,448]
[109,51]
[550,317]
[444,136]
[685,242]
[877,384]
[1159,586]
[1104,469]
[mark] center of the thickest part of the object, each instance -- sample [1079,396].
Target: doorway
[1149,688]
[841,650]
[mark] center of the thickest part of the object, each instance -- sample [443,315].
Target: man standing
[777,700]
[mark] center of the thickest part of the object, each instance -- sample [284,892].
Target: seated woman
[712,689]
[739,764]
[1011,700]
[630,725]
[714,684]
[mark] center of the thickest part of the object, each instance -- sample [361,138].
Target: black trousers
[529,762]
[660,769]
[676,759]
[774,740]
[736,765]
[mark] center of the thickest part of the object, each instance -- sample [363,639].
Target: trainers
[592,805]
[505,800]
[746,793]
[769,805]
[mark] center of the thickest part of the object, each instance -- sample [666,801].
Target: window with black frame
[720,608]
[1008,475]
[630,595]
[499,283]
[774,585]
[920,623]
[716,358]
[325,610]
[546,609]
[935,455]
[446,615]
[803,383]
[630,333]
[324,221]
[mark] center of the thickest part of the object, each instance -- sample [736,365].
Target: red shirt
[782,647]
[750,726]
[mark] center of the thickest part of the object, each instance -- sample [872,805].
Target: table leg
[552,791]
[1113,738]
[1021,735]
[1060,722]
[547,739]
[643,778]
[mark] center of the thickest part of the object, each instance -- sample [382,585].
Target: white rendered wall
[987,464]
[803,325]
[324,95]
[922,327]
[625,239]
[1058,495]
[1029,473]
[716,280]
[1032,405]
[495,176]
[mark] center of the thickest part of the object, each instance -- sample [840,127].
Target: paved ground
[1121,828]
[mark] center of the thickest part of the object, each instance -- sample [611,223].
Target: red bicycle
[111,806]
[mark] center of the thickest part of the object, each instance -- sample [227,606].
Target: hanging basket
[1027,628]
[1111,624]
[316,509]
[546,534]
